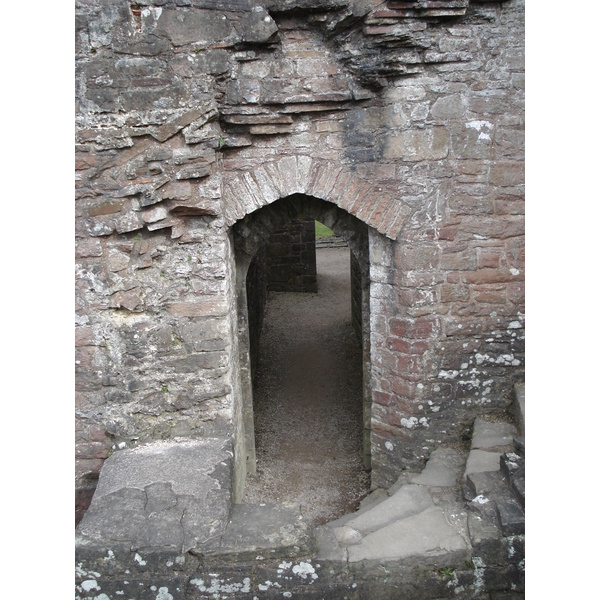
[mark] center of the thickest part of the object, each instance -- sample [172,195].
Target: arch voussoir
[265,182]
[250,190]
[287,168]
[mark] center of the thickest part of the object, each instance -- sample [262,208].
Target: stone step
[407,501]
[330,242]
[512,465]
[443,469]
[488,435]
[519,407]
[510,515]
[407,525]
[270,530]
[494,478]
[517,486]
[423,538]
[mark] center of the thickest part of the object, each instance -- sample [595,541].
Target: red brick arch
[245,192]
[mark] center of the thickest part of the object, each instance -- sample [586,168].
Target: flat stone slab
[484,483]
[426,537]
[265,528]
[480,461]
[408,500]
[488,434]
[168,494]
[442,469]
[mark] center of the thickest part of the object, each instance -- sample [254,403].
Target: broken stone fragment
[256,27]
[129,300]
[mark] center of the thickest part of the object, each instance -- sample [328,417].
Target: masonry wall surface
[292,258]
[193,114]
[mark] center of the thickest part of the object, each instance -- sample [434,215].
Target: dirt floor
[308,399]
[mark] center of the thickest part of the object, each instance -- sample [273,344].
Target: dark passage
[308,398]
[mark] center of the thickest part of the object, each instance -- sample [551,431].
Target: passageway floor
[308,399]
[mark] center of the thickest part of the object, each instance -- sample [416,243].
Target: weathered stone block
[414,328]
[147,496]
[187,26]
[507,174]
[449,107]
[207,307]
[416,145]
[256,27]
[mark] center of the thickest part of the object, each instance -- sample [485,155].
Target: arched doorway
[250,236]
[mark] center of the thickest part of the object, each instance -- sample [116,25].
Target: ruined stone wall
[193,114]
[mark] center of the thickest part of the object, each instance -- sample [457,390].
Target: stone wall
[292,258]
[257,283]
[356,295]
[195,115]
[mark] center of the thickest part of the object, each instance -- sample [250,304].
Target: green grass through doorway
[321,231]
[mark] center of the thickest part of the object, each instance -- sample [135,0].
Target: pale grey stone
[408,500]
[487,434]
[425,538]
[480,461]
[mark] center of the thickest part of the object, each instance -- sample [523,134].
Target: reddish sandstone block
[416,279]
[382,398]
[416,296]
[422,328]
[380,412]
[408,364]
[465,260]
[515,293]
[396,417]
[367,207]
[454,293]
[378,214]
[508,173]
[404,388]
[365,195]
[509,205]
[403,212]
[84,357]
[447,233]
[85,160]
[84,336]
[488,258]
[489,276]
[406,346]
[490,297]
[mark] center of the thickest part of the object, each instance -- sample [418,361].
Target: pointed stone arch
[249,234]
[246,191]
